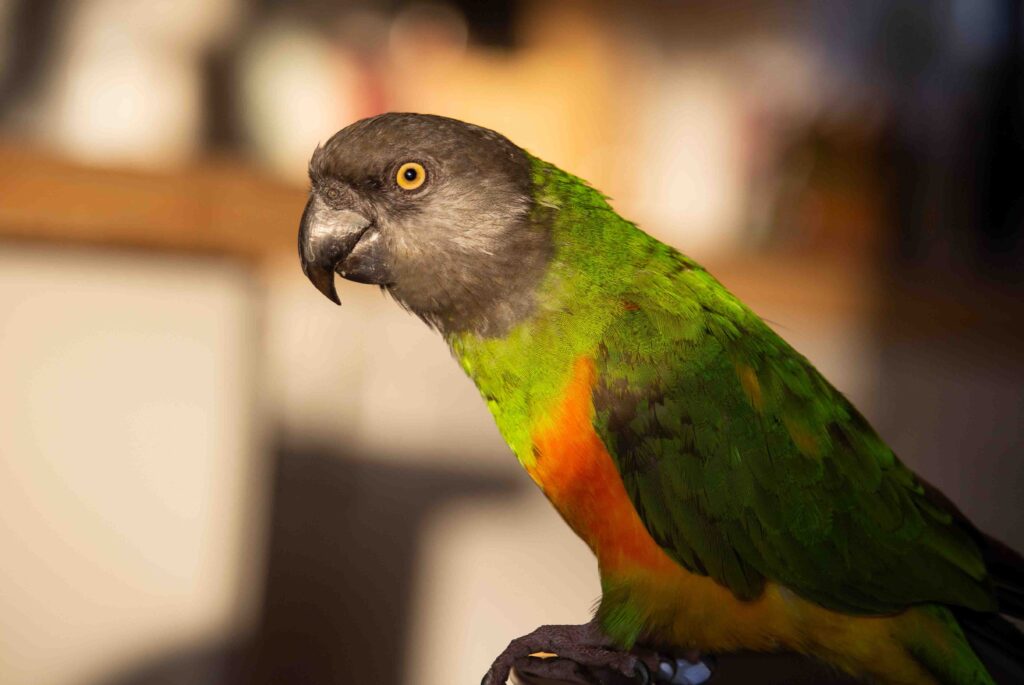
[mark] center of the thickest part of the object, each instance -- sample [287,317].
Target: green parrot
[733,498]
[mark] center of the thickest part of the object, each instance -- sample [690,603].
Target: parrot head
[435,211]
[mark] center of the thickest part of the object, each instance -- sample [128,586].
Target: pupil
[410,174]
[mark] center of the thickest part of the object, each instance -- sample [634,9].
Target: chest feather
[575,471]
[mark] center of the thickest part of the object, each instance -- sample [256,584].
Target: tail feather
[998,643]
[1006,568]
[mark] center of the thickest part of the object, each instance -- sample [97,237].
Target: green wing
[746,465]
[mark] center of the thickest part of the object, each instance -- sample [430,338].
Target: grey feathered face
[435,211]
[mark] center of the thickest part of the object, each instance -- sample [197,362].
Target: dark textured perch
[744,668]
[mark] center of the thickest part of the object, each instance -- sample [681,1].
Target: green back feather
[742,461]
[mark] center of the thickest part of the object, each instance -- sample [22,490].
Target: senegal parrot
[733,498]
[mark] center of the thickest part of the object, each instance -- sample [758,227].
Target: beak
[326,238]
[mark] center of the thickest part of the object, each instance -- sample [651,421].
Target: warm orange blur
[210,474]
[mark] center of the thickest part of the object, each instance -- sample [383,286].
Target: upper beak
[326,237]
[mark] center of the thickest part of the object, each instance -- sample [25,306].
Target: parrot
[733,498]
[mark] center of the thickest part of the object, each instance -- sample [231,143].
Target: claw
[643,672]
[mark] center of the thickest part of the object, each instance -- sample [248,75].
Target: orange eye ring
[411,176]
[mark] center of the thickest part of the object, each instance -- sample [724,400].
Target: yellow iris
[411,176]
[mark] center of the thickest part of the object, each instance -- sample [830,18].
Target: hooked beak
[326,239]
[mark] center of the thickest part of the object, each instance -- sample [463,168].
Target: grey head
[435,211]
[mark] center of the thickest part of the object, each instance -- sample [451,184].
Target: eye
[411,176]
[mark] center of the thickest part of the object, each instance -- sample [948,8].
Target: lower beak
[326,238]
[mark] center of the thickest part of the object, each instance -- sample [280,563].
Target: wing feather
[746,465]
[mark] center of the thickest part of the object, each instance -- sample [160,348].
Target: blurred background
[210,474]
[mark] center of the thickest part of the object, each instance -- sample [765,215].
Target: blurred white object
[297,90]
[690,192]
[127,85]
[130,480]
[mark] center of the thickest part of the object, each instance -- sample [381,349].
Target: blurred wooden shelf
[215,206]
[226,207]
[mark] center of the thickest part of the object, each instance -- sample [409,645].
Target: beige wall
[130,489]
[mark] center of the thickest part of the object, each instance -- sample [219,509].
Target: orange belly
[577,474]
[688,610]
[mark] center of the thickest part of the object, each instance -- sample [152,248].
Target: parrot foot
[568,653]
[537,671]
[583,655]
